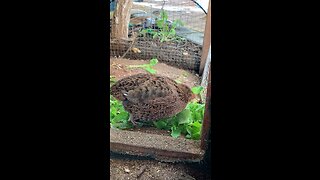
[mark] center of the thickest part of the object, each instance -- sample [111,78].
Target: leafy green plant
[112,80]
[188,122]
[147,67]
[167,31]
[197,89]
[119,118]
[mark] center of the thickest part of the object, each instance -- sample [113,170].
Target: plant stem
[138,66]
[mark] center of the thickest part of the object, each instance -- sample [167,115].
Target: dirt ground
[119,69]
[125,168]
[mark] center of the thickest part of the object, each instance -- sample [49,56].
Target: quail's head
[187,93]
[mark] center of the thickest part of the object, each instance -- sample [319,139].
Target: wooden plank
[163,148]
[207,116]
[205,76]
[206,40]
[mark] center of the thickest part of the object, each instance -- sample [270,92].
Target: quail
[149,97]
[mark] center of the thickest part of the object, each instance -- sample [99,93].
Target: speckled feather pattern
[150,97]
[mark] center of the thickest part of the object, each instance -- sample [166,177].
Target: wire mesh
[183,50]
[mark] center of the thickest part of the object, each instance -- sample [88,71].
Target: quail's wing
[123,86]
[151,91]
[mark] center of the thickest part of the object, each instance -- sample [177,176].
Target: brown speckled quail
[150,97]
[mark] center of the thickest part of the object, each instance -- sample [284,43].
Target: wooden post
[121,19]
[207,117]
[205,75]
[206,40]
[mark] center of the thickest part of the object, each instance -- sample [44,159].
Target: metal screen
[180,47]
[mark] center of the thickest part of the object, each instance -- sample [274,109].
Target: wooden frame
[206,40]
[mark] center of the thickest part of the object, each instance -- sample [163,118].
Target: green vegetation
[119,118]
[112,80]
[167,31]
[188,122]
[197,89]
[147,67]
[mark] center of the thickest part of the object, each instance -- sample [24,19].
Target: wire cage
[170,30]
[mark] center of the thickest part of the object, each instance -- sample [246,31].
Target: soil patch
[121,169]
[119,69]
